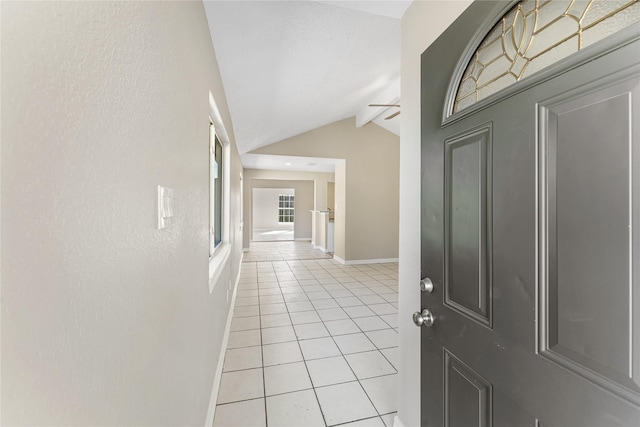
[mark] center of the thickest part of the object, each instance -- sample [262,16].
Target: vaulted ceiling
[292,66]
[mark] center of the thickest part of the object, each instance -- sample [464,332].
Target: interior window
[215,190]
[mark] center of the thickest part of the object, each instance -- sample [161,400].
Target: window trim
[224,179]
[219,257]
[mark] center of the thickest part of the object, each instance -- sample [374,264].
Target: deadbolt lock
[426,285]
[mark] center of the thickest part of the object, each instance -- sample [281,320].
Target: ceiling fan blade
[392,116]
[384,105]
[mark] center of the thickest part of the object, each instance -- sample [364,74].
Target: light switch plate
[165,207]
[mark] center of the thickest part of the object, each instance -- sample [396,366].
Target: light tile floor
[283,251]
[272,235]
[312,342]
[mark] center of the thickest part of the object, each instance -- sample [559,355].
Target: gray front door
[531,237]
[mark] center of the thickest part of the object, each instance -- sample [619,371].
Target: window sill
[217,262]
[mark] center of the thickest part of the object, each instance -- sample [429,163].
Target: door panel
[467,396]
[531,236]
[507,413]
[586,183]
[467,227]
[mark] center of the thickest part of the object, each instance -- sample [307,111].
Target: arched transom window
[535,34]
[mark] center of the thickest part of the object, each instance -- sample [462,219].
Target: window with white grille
[286,207]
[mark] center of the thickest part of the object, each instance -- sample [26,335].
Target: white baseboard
[246,250]
[211,411]
[365,261]
[306,239]
[397,422]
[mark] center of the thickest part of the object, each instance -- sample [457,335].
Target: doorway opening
[273,214]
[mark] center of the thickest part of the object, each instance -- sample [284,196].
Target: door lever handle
[423,318]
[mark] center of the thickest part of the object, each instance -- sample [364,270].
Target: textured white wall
[266,208]
[422,23]
[105,319]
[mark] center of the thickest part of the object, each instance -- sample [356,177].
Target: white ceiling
[292,66]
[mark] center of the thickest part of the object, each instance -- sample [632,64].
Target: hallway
[312,342]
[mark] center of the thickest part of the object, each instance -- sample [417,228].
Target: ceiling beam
[391,95]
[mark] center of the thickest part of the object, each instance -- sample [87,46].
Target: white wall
[421,25]
[266,208]
[105,319]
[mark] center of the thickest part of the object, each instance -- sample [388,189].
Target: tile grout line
[304,360]
[264,382]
